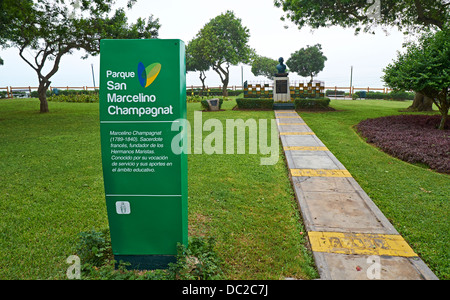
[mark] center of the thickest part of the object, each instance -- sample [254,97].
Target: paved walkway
[349,236]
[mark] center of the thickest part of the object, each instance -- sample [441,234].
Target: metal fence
[25,91]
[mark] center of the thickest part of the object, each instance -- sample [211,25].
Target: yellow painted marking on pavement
[305,148]
[297,133]
[289,117]
[319,173]
[291,123]
[360,244]
[286,112]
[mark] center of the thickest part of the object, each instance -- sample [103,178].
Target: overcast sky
[182,19]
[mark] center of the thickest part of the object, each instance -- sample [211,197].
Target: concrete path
[349,236]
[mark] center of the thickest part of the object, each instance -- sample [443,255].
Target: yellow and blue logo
[148,74]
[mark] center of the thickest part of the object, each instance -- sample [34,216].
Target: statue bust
[281,68]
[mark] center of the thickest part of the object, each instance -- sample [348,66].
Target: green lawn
[51,189]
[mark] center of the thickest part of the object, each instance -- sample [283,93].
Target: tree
[307,61]
[407,15]
[223,42]
[264,66]
[195,61]
[425,67]
[50,29]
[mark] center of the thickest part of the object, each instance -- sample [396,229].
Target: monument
[281,83]
[281,67]
[281,91]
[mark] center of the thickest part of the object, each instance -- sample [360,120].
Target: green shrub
[94,247]
[399,95]
[81,98]
[64,92]
[311,103]
[254,103]
[198,261]
[333,92]
[212,92]
[195,98]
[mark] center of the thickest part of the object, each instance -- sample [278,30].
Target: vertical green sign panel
[142,102]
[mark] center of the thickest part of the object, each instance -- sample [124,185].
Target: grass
[51,189]
[249,208]
[51,186]
[414,198]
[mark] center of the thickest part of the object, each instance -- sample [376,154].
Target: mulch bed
[411,138]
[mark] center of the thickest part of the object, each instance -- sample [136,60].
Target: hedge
[312,103]
[254,103]
[389,96]
[65,92]
[82,98]
[212,92]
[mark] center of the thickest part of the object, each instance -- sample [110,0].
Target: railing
[10,90]
[350,90]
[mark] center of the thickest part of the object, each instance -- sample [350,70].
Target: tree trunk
[443,106]
[224,77]
[421,103]
[443,120]
[202,78]
[42,92]
[225,88]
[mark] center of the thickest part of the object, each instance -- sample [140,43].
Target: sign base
[145,262]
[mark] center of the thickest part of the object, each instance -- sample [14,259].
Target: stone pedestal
[213,104]
[281,89]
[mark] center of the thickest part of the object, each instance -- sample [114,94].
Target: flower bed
[411,138]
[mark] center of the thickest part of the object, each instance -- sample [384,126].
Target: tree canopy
[425,68]
[264,66]
[406,15]
[222,42]
[50,29]
[196,61]
[307,62]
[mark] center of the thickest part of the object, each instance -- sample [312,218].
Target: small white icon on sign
[123,207]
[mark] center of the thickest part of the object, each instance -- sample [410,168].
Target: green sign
[142,103]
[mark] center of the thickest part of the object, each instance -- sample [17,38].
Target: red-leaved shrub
[412,138]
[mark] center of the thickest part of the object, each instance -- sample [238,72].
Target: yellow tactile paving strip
[319,173]
[297,133]
[304,148]
[360,244]
[291,123]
